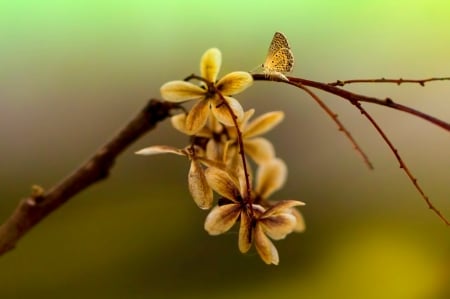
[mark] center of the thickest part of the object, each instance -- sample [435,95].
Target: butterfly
[280,59]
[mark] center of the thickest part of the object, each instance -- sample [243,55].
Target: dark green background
[72,72]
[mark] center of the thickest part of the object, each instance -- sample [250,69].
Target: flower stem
[248,197]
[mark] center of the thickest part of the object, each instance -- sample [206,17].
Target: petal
[198,186]
[232,130]
[245,233]
[234,83]
[222,111]
[259,149]
[270,177]
[221,218]
[247,115]
[210,64]
[265,247]
[179,122]
[221,182]
[214,125]
[278,226]
[214,150]
[179,91]
[161,149]
[282,206]
[263,123]
[300,226]
[197,117]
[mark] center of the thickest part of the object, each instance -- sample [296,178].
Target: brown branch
[30,211]
[384,80]
[359,98]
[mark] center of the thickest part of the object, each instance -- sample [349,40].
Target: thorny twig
[421,82]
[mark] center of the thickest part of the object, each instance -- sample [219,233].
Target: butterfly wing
[282,61]
[279,41]
[279,51]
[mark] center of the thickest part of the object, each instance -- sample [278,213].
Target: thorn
[36,196]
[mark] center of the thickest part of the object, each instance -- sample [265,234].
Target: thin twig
[248,195]
[30,211]
[341,127]
[402,163]
[384,80]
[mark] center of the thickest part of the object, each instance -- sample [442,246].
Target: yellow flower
[210,93]
[257,223]
[276,222]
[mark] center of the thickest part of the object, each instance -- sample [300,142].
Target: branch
[30,211]
[354,97]
[421,82]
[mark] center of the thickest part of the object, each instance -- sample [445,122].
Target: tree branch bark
[31,210]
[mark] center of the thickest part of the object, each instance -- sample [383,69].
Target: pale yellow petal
[234,83]
[300,226]
[222,111]
[160,149]
[210,64]
[197,117]
[221,182]
[263,123]
[265,247]
[270,177]
[211,163]
[214,150]
[214,125]
[198,186]
[247,115]
[180,91]
[282,206]
[245,233]
[278,226]
[179,122]
[259,149]
[222,218]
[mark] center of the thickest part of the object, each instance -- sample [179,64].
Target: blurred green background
[72,72]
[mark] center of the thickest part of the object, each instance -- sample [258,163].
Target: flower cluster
[225,143]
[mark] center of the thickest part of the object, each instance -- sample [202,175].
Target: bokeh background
[73,72]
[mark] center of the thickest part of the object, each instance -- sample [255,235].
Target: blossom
[257,224]
[212,95]
[276,222]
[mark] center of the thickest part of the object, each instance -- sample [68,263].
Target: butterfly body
[280,59]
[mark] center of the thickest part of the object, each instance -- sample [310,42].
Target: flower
[198,187]
[257,224]
[214,96]
[276,222]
